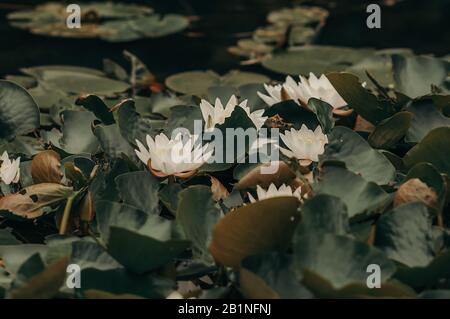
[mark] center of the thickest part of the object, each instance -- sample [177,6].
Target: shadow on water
[420,25]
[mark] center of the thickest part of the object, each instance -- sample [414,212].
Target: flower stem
[66,215]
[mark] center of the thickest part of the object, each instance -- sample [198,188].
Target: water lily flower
[304,144]
[217,114]
[319,88]
[9,170]
[280,92]
[272,191]
[177,156]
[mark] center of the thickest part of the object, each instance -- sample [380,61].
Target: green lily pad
[338,259]
[324,213]
[404,234]
[141,254]
[132,126]
[19,113]
[426,117]
[197,214]
[360,99]
[270,276]
[112,142]
[434,148]
[96,105]
[198,82]
[415,75]
[360,196]
[324,113]
[139,189]
[314,58]
[115,22]
[350,148]
[77,132]
[391,130]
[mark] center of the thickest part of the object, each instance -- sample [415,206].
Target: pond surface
[420,25]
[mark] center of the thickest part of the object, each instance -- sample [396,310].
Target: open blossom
[272,191]
[319,88]
[217,114]
[179,156]
[304,144]
[9,170]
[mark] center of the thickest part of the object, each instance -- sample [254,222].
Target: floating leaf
[434,148]
[139,189]
[415,75]
[198,82]
[350,148]
[314,58]
[426,117]
[112,142]
[338,259]
[19,113]
[391,130]
[96,105]
[360,99]
[259,227]
[141,254]
[197,214]
[77,132]
[270,276]
[404,234]
[324,213]
[359,195]
[115,22]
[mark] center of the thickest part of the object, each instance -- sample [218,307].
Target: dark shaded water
[421,25]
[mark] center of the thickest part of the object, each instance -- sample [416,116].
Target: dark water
[422,25]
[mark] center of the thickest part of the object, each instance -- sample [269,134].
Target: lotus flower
[175,156]
[319,88]
[304,144]
[217,114]
[9,170]
[272,191]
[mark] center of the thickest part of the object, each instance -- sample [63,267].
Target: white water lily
[272,191]
[304,144]
[179,156]
[9,170]
[217,114]
[319,88]
[280,92]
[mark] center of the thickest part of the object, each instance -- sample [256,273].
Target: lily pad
[256,228]
[19,113]
[198,82]
[338,259]
[416,74]
[404,234]
[115,22]
[426,117]
[360,196]
[434,148]
[197,221]
[314,58]
[348,147]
